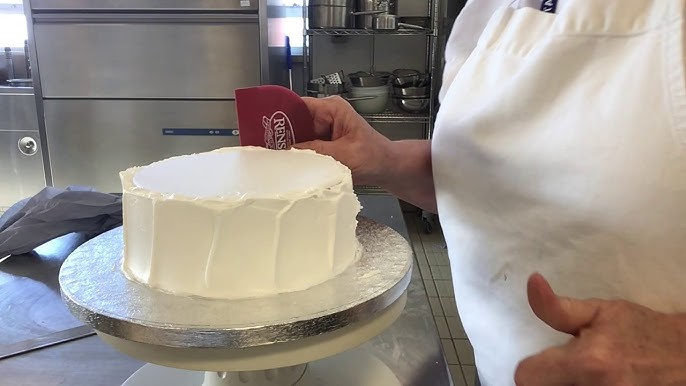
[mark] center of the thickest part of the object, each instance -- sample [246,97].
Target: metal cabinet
[91,141]
[21,166]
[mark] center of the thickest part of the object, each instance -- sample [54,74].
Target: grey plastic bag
[56,212]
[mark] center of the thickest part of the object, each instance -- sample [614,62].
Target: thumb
[563,314]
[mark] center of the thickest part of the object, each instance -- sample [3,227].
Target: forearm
[408,173]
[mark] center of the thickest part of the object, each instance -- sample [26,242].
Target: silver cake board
[239,335]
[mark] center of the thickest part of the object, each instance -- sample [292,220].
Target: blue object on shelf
[289,62]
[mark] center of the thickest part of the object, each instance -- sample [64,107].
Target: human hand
[615,343]
[348,138]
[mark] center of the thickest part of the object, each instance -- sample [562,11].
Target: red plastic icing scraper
[273,117]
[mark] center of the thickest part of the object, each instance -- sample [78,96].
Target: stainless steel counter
[30,307]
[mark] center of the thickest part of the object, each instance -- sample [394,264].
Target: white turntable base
[351,368]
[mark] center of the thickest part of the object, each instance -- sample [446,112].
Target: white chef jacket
[560,148]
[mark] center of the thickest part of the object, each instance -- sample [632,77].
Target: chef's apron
[560,148]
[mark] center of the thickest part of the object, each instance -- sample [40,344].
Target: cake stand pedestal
[350,368]
[261,341]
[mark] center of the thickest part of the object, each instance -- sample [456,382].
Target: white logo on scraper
[278,131]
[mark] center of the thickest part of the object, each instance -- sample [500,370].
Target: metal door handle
[28,146]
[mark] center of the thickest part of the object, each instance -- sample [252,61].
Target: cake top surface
[242,173]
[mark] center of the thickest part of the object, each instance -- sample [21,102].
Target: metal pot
[366,10]
[385,22]
[330,13]
[324,16]
[369,100]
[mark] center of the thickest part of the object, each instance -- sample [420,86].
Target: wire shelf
[395,117]
[366,32]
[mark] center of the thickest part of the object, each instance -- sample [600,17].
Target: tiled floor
[434,266]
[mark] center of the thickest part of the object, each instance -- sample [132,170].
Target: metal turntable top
[97,292]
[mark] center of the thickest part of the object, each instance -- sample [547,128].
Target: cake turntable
[300,338]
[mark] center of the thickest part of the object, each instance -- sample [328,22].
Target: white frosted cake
[239,222]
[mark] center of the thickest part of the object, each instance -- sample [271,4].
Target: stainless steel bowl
[405,77]
[410,78]
[411,91]
[413,105]
[405,81]
[424,80]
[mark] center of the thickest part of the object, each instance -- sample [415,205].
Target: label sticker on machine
[201,132]
[245,3]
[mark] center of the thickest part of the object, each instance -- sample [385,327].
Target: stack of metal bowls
[331,13]
[411,90]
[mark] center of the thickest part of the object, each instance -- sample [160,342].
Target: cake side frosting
[260,232]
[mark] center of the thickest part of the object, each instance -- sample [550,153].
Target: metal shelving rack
[363,32]
[432,64]
[393,117]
